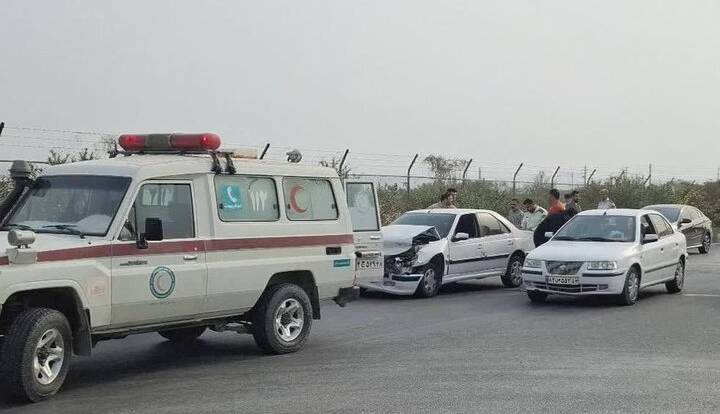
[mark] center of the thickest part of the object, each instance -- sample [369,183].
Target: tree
[57,157]
[443,168]
[334,163]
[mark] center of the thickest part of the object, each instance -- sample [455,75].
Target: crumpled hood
[46,242]
[582,251]
[398,238]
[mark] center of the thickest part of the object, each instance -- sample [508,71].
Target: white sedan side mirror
[549,234]
[650,238]
[461,236]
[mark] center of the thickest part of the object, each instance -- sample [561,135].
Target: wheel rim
[49,356]
[516,273]
[680,275]
[289,320]
[706,241]
[633,286]
[429,281]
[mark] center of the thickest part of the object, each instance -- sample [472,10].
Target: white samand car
[425,249]
[608,252]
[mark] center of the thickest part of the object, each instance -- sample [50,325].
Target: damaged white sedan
[425,249]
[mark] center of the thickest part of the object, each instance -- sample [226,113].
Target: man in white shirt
[534,215]
[605,203]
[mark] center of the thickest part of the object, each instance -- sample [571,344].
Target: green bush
[626,193]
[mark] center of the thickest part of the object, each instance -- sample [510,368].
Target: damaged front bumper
[405,284]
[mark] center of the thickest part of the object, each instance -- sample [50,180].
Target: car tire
[631,289]
[430,281]
[513,275]
[537,297]
[676,285]
[706,243]
[36,355]
[282,319]
[183,334]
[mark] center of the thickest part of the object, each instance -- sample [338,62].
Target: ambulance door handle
[190,257]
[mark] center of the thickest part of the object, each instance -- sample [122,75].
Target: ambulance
[171,235]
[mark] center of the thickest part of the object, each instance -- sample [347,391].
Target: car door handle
[190,257]
[375,237]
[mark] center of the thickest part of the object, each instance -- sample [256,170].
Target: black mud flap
[347,295]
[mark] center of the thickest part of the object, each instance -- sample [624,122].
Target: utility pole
[479,173]
[585,175]
[650,174]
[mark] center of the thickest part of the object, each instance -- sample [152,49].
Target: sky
[602,84]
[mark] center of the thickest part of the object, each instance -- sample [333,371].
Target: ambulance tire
[36,355]
[282,319]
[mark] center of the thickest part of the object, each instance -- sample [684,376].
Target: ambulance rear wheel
[282,319]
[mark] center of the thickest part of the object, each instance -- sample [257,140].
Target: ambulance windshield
[70,204]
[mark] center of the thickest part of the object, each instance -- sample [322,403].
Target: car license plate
[369,264]
[563,280]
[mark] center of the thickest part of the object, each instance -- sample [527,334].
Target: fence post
[408,174]
[552,180]
[342,161]
[515,177]
[591,176]
[466,170]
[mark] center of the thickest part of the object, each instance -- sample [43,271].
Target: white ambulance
[170,235]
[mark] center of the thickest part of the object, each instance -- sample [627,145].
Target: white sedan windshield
[79,204]
[598,228]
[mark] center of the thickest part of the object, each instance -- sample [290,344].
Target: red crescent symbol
[293,201]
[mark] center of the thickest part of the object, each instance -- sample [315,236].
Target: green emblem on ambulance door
[162,282]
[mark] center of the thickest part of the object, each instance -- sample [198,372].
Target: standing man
[605,202]
[452,197]
[515,215]
[443,203]
[555,206]
[570,205]
[576,200]
[534,215]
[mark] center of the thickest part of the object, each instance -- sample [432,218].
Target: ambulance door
[165,279]
[365,216]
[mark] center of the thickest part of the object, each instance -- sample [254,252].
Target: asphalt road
[475,348]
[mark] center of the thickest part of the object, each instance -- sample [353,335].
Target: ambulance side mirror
[153,232]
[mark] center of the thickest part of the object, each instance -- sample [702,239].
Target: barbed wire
[380,164]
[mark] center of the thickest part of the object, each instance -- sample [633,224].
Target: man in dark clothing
[570,206]
[552,224]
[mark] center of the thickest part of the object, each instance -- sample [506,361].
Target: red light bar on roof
[170,142]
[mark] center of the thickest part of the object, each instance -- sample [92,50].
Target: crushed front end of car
[406,248]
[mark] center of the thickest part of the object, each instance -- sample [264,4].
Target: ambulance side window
[171,203]
[309,199]
[245,198]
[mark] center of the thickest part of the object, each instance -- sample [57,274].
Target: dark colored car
[696,227]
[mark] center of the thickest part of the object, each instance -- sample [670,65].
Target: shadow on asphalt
[557,302]
[449,289]
[156,358]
